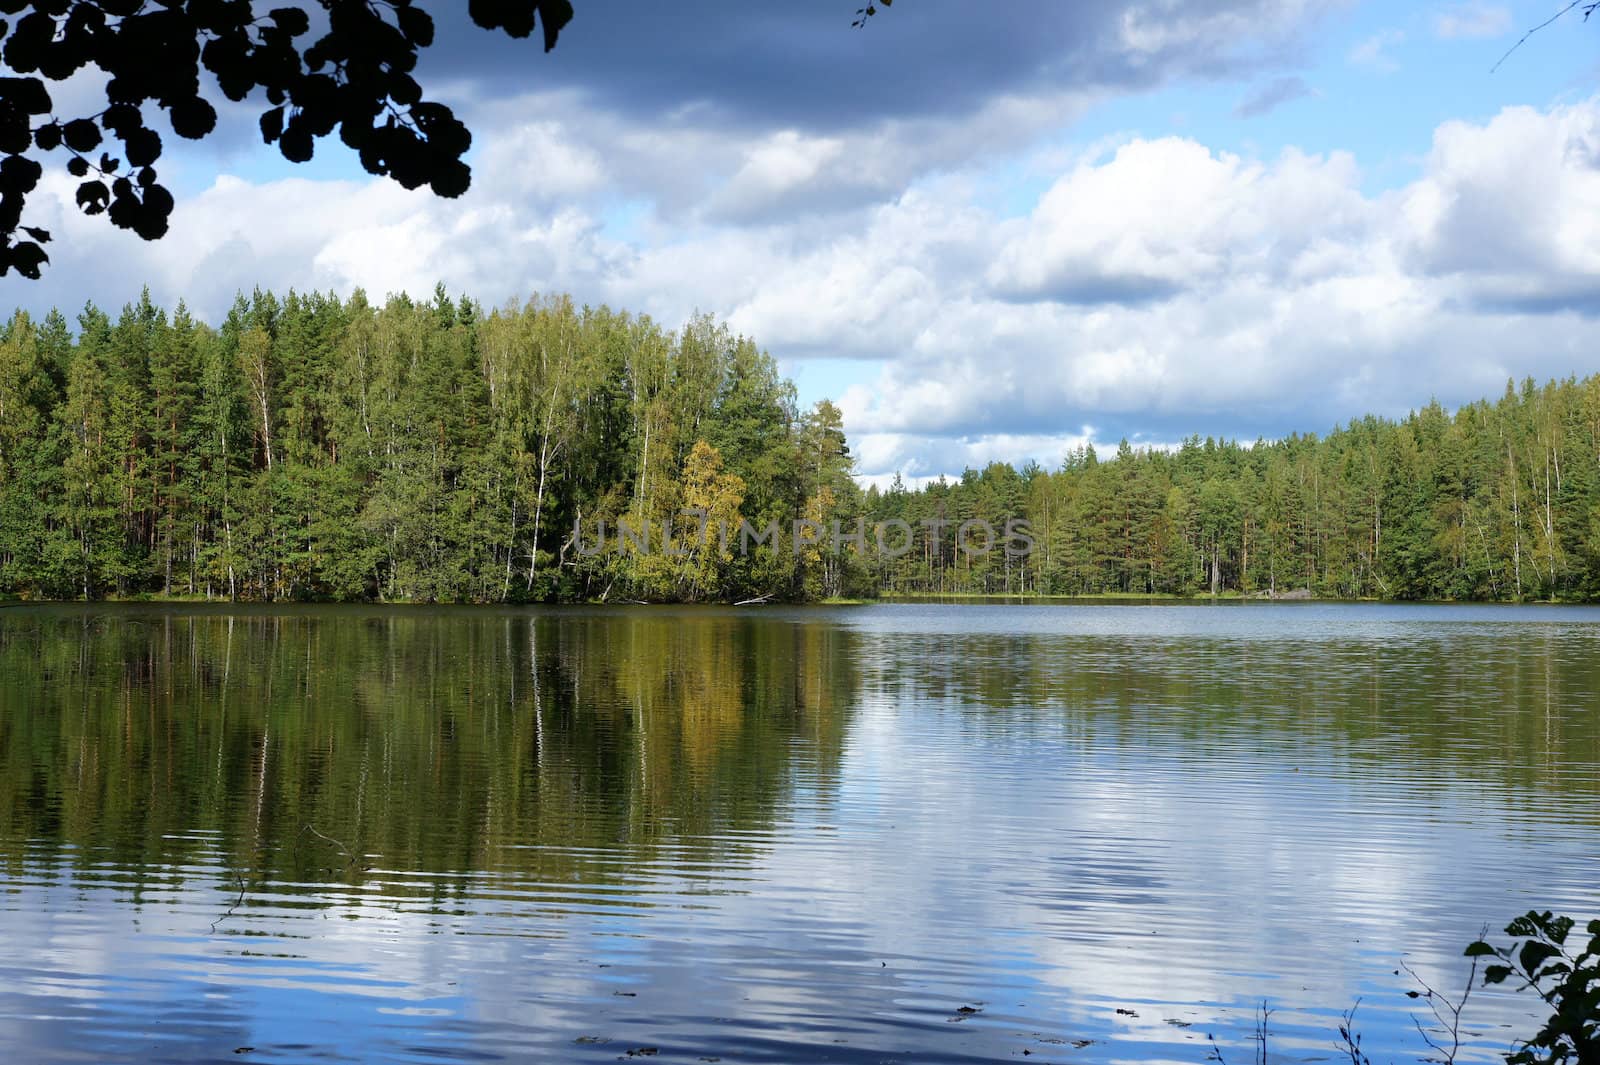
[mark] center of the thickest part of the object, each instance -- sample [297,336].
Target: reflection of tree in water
[570,746]
[1502,704]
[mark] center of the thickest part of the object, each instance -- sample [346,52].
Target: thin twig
[1263,1016]
[351,858]
[1352,1041]
[1541,26]
[235,906]
[1449,1025]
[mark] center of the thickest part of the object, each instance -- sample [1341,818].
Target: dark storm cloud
[801,64]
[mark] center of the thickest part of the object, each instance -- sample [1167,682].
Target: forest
[318,449]
[1494,501]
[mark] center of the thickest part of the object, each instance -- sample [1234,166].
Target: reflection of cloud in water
[1046,827]
[1156,877]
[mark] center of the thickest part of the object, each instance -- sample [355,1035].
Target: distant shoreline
[897,598]
[1112,598]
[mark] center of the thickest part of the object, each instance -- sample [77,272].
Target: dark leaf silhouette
[93,196]
[81,135]
[271,124]
[26,258]
[48,138]
[193,118]
[356,78]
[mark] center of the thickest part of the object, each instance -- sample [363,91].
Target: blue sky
[1380,79]
[988,235]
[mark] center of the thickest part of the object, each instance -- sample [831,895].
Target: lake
[893,833]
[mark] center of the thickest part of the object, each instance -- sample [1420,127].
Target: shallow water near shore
[902,832]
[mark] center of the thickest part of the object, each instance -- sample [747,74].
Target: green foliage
[311,448]
[1567,979]
[318,449]
[1497,501]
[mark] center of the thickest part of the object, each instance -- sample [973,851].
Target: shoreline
[900,598]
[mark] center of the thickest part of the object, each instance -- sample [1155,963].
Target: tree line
[1496,501]
[313,448]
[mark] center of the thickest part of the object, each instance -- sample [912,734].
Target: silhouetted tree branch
[356,77]
[864,13]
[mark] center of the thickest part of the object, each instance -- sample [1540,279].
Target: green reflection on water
[435,740]
[878,797]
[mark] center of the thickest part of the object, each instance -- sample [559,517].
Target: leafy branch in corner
[355,77]
[1567,982]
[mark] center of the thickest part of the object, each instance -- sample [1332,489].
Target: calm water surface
[777,835]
